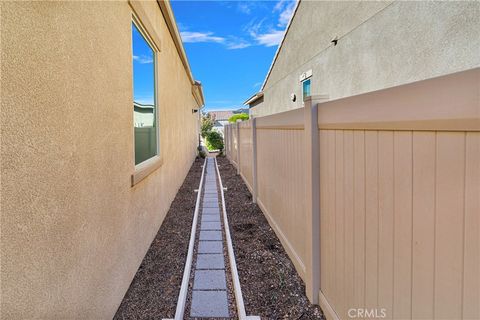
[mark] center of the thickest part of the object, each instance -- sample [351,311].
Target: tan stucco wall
[73,230]
[381,45]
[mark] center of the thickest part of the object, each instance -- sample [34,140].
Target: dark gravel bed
[154,290]
[271,286]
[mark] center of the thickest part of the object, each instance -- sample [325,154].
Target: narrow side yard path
[209,297]
[271,287]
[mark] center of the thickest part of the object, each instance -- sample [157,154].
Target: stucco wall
[73,230]
[381,45]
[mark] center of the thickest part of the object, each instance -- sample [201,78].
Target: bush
[206,125]
[214,141]
[238,116]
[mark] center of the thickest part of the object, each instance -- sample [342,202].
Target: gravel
[154,290]
[271,286]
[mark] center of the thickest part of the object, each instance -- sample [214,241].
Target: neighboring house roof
[143,106]
[167,12]
[253,98]
[279,47]
[242,110]
[220,123]
[221,114]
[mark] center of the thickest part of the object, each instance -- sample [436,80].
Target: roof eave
[197,91]
[253,98]
[169,17]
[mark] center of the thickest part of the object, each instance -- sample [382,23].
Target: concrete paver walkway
[209,296]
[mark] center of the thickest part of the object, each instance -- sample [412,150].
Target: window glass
[144,107]
[306,89]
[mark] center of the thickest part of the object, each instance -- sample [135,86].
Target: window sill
[145,168]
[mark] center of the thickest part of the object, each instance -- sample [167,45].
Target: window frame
[146,167]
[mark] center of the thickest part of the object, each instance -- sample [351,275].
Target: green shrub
[206,125]
[214,141]
[238,116]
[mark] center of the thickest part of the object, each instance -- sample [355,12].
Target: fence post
[238,146]
[312,201]
[225,138]
[230,141]
[254,159]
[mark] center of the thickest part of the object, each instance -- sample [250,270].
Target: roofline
[222,110]
[169,17]
[142,105]
[253,98]
[280,45]
[197,92]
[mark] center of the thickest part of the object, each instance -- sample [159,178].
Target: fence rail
[375,197]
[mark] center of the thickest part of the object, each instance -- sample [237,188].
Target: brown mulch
[154,290]
[271,287]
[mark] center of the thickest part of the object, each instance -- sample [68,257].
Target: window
[144,104]
[306,88]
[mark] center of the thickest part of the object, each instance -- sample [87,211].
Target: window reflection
[144,107]
[306,89]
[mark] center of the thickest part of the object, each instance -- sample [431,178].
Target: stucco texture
[73,230]
[381,45]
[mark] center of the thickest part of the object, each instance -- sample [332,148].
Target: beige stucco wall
[73,230]
[381,45]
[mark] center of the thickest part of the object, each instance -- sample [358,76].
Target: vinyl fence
[376,197]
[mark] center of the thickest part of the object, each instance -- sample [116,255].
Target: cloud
[244,7]
[250,6]
[286,13]
[193,37]
[143,59]
[270,39]
[257,84]
[253,27]
[237,43]
[269,34]
[230,42]
[233,46]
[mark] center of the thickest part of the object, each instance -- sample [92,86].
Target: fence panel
[399,175]
[281,180]
[399,223]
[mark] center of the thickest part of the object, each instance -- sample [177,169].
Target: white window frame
[145,168]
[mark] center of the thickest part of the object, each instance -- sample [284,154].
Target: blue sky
[230,45]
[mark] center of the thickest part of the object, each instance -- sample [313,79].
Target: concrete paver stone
[209,235]
[210,261]
[209,304]
[210,280]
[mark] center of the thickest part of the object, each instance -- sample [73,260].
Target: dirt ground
[154,291]
[270,284]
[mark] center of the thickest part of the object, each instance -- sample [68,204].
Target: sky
[230,45]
